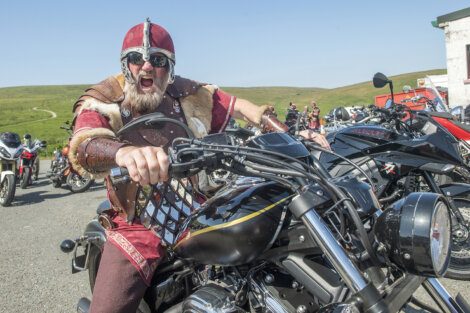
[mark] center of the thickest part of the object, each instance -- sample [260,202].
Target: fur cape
[106,97]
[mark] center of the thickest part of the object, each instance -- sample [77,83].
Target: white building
[456,26]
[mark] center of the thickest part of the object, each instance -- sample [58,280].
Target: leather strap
[97,154]
[107,91]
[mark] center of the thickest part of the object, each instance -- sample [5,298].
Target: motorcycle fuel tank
[235,226]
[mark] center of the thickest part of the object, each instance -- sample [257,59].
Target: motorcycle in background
[399,157]
[449,120]
[10,151]
[62,172]
[29,161]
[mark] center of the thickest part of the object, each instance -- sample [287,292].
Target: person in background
[292,114]
[314,117]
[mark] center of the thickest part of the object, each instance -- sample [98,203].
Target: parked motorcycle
[340,118]
[398,159]
[447,119]
[284,236]
[10,151]
[29,162]
[62,172]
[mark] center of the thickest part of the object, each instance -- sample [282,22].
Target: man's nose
[147,66]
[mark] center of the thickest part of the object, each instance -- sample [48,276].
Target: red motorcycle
[29,161]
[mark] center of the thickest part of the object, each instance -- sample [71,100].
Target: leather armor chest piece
[163,207]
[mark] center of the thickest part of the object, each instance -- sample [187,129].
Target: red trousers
[119,287]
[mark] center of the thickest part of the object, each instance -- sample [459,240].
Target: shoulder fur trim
[121,80]
[111,111]
[197,109]
[80,137]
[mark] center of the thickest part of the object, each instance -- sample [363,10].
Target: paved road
[35,275]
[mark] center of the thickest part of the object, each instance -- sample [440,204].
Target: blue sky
[229,43]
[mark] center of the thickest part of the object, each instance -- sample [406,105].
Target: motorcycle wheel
[78,183]
[93,264]
[7,190]
[459,267]
[24,179]
[36,168]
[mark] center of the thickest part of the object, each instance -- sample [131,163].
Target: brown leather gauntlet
[98,154]
[270,123]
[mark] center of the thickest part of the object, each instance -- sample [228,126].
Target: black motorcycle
[398,158]
[281,236]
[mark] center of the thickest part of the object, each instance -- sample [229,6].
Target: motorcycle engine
[211,299]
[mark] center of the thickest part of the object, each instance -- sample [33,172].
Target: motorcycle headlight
[416,232]
[440,236]
[5,152]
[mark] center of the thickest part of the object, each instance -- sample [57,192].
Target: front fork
[348,270]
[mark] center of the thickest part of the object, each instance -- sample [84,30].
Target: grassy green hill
[17,103]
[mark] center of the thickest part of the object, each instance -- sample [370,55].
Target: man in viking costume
[147,84]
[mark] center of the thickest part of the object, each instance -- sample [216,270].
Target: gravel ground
[35,276]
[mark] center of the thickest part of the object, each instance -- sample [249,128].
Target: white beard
[145,102]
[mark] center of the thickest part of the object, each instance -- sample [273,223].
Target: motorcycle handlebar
[175,170]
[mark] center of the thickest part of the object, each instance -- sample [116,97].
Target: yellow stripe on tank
[234,222]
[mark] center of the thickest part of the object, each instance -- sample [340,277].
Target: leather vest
[124,197]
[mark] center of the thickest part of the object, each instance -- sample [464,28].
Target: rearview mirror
[380,80]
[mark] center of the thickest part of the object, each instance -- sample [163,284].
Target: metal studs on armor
[268,279]
[301,309]
[125,113]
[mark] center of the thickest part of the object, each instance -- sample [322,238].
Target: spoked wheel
[7,190]
[459,267]
[79,183]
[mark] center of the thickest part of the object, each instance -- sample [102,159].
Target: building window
[468,61]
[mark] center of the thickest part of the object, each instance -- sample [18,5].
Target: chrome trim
[265,298]
[152,50]
[441,296]
[85,242]
[146,40]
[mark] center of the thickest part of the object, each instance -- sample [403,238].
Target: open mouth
[146,83]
